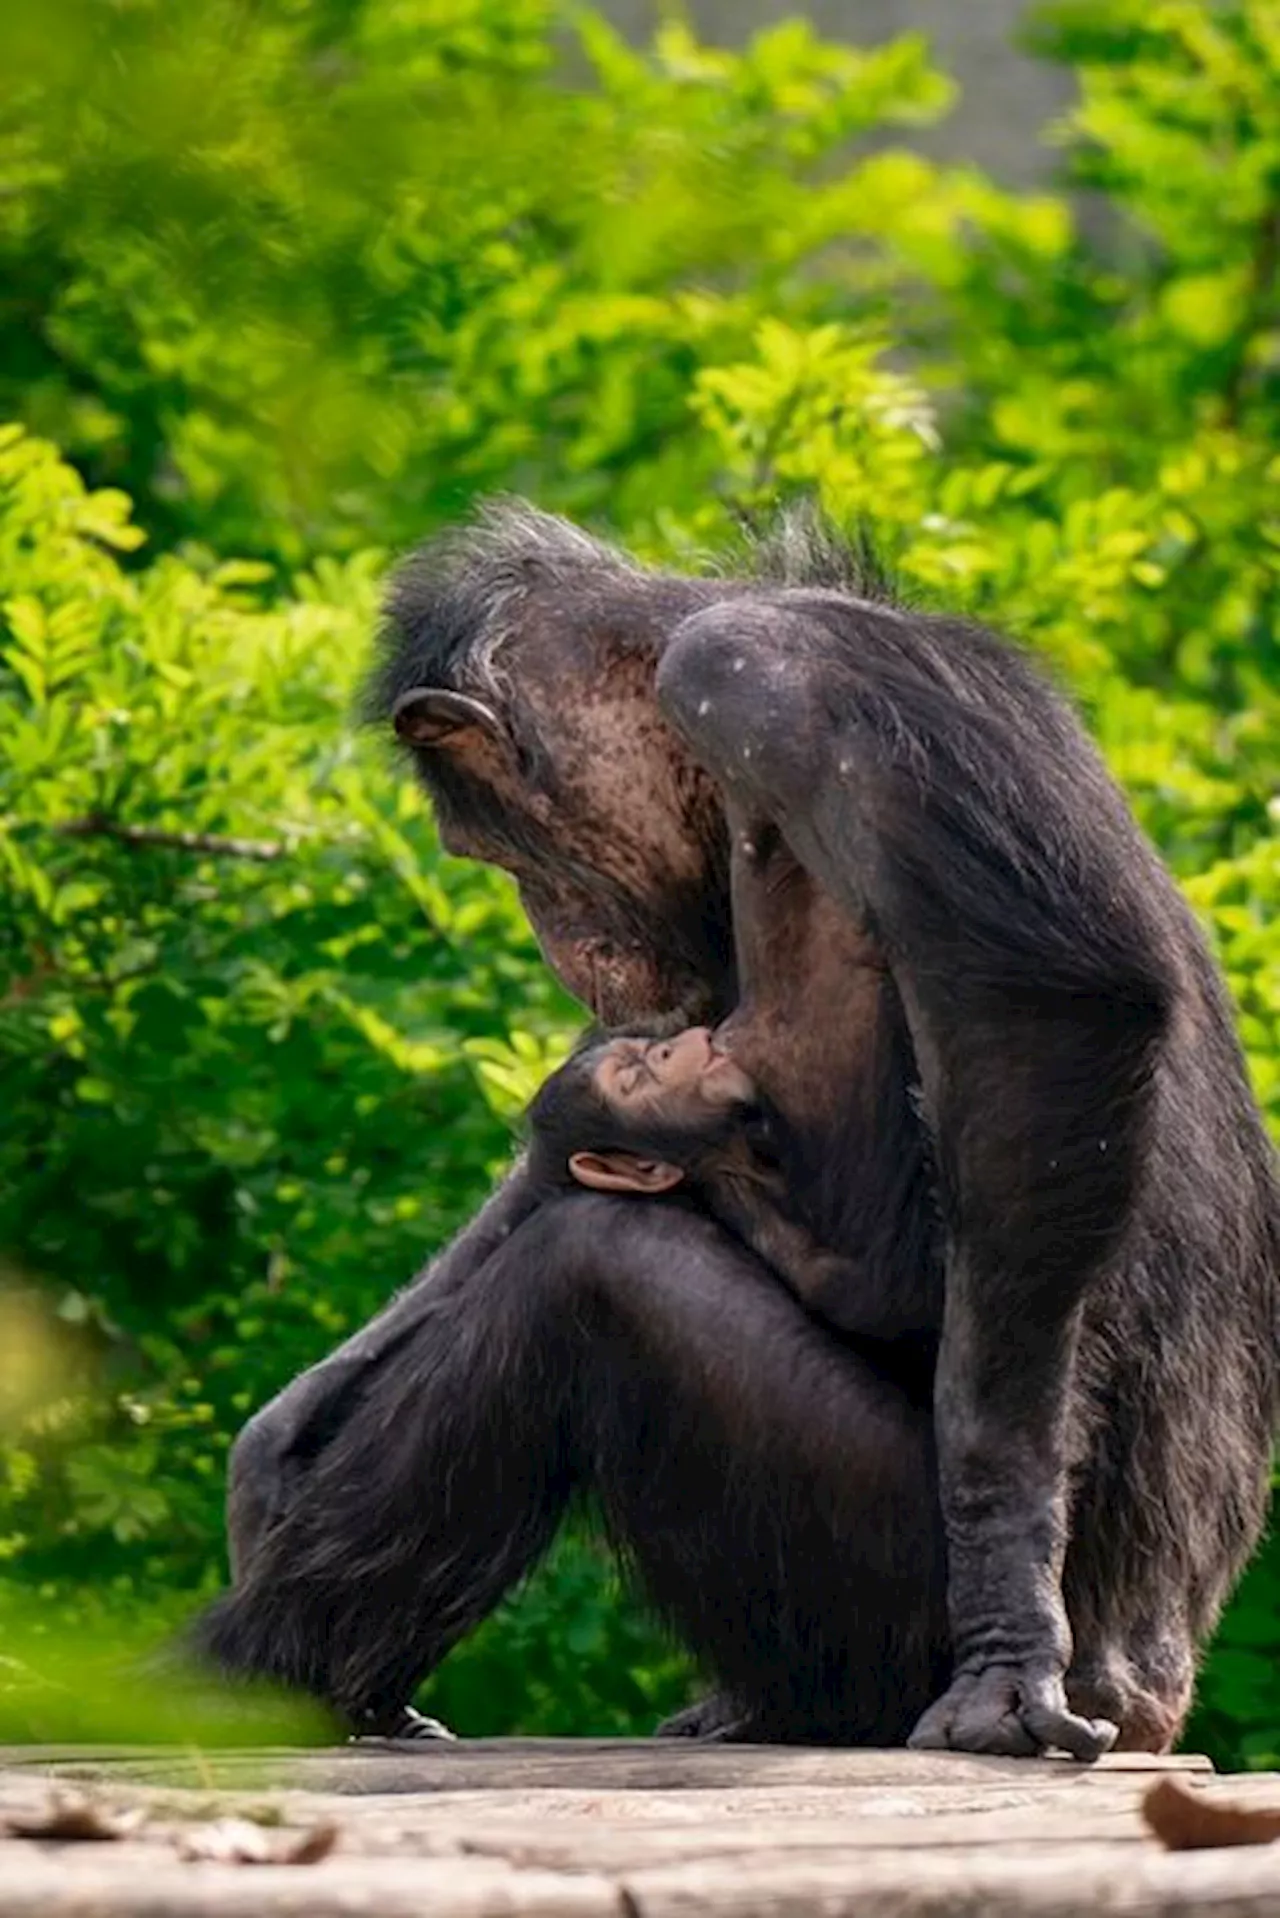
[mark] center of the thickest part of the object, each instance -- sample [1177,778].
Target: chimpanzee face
[574,783]
[681,1081]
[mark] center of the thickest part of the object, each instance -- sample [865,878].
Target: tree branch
[214,845]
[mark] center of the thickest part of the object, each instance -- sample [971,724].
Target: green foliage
[80,1672]
[239,986]
[301,279]
[295,273]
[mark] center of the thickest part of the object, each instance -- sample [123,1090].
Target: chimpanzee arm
[272,1455]
[827,1283]
[930,781]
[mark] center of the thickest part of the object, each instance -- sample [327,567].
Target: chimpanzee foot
[1011,1711]
[1150,1714]
[403,1723]
[716,1717]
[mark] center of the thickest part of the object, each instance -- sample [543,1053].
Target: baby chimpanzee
[647,1115]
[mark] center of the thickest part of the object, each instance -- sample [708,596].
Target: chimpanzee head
[637,1115]
[517,665]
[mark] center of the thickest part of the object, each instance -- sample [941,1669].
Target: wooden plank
[111,1887]
[602,1765]
[1076,1883]
[558,1830]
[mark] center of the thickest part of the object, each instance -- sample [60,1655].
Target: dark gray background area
[1006,97]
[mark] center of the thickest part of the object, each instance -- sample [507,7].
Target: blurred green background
[283,284]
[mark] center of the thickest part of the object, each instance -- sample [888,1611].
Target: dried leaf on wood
[1185,1820]
[237,1841]
[75,1818]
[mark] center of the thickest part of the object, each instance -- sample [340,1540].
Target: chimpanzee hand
[1012,1711]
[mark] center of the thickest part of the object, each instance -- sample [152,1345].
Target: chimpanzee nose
[696,1039]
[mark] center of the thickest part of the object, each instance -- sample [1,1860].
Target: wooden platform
[632,1830]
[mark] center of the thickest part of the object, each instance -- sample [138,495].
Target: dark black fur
[1052,1133]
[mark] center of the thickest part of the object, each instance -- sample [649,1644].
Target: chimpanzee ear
[431,716]
[623,1172]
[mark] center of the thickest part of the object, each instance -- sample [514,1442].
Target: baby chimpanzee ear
[431,716]
[623,1172]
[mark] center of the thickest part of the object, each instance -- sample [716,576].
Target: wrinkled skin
[885,858]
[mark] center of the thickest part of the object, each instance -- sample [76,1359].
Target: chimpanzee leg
[433,1479]
[935,789]
[775,1495]
[278,1446]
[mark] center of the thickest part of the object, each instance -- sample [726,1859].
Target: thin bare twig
[215,845]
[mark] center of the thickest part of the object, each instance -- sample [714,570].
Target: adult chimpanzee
[878,846]
[663,1115]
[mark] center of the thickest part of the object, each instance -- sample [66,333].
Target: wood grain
[509,1829]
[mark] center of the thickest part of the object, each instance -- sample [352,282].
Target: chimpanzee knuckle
[990,1733]
[1008,1711]
[1013,1711]
[1056,1728]
[974,1715]
[932,1732]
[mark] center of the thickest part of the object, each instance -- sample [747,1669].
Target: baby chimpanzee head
[638,1115]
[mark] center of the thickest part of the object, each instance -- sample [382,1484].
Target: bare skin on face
[642,820]
[613,848]
[680,1080]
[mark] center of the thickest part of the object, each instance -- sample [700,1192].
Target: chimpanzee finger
[1056,1728]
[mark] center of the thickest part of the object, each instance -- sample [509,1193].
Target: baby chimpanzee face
[681,1081]
[638,1115]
